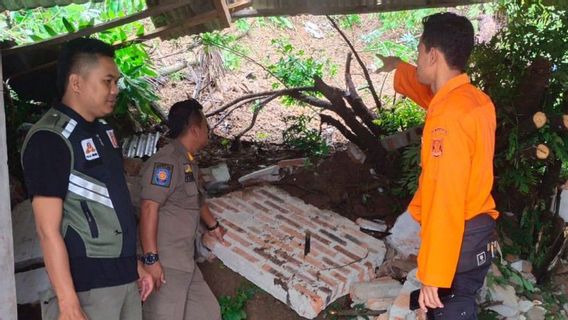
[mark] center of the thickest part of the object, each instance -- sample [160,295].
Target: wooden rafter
[223,12]
[92,30]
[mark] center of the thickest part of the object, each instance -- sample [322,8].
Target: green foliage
[407,183]
[405,114]
[233,307]
[26,26]
[533,30]
[294,69]
[282,22]
[349,21]
[243,25]
[232,51]
[299,136]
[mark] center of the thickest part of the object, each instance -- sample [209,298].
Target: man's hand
[218,234]
[158,277]
[429,298]
[389,63]
[71,311]
[145,282]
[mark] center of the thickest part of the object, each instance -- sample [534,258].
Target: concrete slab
[27,250]
[31,285]
[266,242]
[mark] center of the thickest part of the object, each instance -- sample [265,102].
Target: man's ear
[74,82]
[433,56]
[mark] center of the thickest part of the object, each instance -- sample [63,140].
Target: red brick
[339,277]
[271,196]
[321,239]
[292,232]
[288,221]
[327,280]
[233,226]
[333,237]
[323,249]
[322,223]
[245,255]
[225,205]
[347,253]
[259,206]
[231,234]
[314,262]
[275,206]
[316,301]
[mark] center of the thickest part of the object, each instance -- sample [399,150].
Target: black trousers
[475,259]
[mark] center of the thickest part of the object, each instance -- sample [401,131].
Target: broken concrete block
[371,225]
[405,235]
[215,178]
[355,154]
[31,285]
[401,306]
[269,174]
[525,306]
[505,311]
[522,266]
[504,294]
[563,210]
[377,289]
[292,163]
[536,313]
[266,243]
[379,303]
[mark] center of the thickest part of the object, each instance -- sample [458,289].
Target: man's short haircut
[452,34]
[184,114]
[75,56]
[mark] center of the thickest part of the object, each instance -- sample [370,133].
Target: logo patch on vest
[162,175]
[112,138]
[89,149]
[438,135]
[481,258]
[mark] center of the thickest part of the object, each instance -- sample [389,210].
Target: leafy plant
[404,114]
[295,70]
[282,22]
[233,307]
[231,50]
[299,136]
[349,21]
[407,183]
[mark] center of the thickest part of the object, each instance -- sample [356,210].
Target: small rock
[504,294]
[505,311]
[522,266]
[405,237]
[563,210]
[525,306]
[356,154]
[379,303]
[313,29]
[536,313]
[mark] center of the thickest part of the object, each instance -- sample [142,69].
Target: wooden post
[223,12]
[8,310]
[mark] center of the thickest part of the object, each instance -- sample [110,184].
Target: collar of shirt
[450,86]
[75,116]
[180,148]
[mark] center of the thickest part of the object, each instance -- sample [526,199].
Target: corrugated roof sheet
[14,5]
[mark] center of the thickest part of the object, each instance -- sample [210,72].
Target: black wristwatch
[215,226]
[149,258]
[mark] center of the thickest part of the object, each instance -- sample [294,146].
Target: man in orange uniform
[453,203]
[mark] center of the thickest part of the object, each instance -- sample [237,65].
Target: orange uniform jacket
[457,169]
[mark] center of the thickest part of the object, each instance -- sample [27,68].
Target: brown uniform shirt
[171,179]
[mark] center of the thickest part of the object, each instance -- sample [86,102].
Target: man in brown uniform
[171,208]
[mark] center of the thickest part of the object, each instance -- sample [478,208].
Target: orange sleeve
[406,83]
[444,188]
[415,207]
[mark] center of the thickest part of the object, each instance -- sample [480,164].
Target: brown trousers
[184,296]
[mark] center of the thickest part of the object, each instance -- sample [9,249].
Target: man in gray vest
[84,215]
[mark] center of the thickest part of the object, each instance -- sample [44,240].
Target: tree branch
[357,103]
[287,91]
[339,126]
[257,110]
[363,67]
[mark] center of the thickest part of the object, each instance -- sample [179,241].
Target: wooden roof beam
[92,30]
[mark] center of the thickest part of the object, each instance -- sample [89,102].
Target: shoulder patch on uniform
[112,138]
[162,174]
[89,149]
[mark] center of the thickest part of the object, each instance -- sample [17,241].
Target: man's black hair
[75,55]
[184,114]
[452,34]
